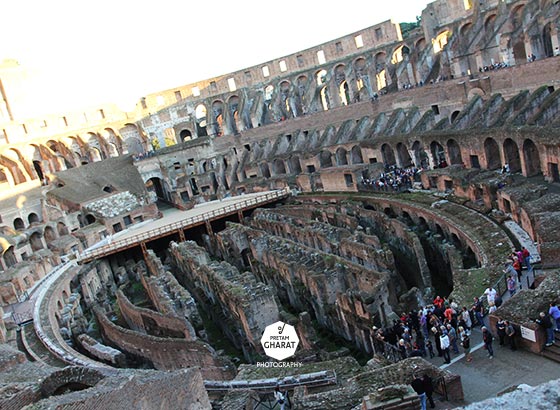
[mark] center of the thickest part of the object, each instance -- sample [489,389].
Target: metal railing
[155,233]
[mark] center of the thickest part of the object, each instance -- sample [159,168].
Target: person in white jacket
[444,342]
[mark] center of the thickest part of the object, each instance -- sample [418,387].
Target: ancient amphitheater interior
[144,253]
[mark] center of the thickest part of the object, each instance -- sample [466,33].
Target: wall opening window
[283,66]
[359,41]
[266,71]
[321,57]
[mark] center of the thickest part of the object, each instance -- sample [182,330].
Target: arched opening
[185,135]
[201,122]
[33,218]
[321,77]
[154,184]
[35,241]
[454,151]
[113,150]
[294,165]
[420,156]
[403,156]
[454,116]
[90,219]
[233,107]
[132,139]
[492,154]
[341,157]
[265,170]
[441,41]
[218,118]
[18,224]
[278,167]
[38,170]
[9,257]
[547,40]
[438,154]
[325,99]
[344,93]
[388,155]
[325,159]
[532,158]
[511,154]
[49,234]
[356,155]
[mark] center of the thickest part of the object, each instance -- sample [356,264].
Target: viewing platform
[177,221]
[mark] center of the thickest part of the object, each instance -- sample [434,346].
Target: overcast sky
[119,50]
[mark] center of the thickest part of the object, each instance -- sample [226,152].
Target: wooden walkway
[178,222]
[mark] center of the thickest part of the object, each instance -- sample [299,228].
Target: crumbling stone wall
[166,293]
[153,323]
[246,305]
[165,353]
[343,296]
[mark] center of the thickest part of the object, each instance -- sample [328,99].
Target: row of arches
[38,160]
[342,84]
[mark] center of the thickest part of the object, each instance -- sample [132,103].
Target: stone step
[551,355]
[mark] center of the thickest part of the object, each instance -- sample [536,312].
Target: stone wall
[165,353]
[244,305]
[153,323]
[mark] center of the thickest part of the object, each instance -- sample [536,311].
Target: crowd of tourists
[393,179]
[444,328]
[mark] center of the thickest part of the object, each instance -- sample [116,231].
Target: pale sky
[119,50]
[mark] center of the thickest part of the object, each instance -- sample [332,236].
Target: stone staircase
[553,352]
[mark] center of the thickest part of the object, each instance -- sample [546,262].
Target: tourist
[545,321]
[478,309]
[511,285]
[452,334]
[418,386]
[490,293]
[517,267]
[487,339]
[526,258]
[279,397]
[501,331]
[466,343]
[429,389]
[466,320]
[554,313]
[445,343]
[510,333]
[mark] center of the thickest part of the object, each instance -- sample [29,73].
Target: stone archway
[155,184]
[388,155]
[341,156]
[356,155]
[438,154]
[403,156]
[325,159]
[511,154]
[492,154]
[532,158]
[454,152]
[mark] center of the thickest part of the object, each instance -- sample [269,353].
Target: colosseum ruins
[338,190]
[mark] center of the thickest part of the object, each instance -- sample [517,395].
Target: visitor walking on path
[466,343]
[444,341]
[487,339]
[511,285]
